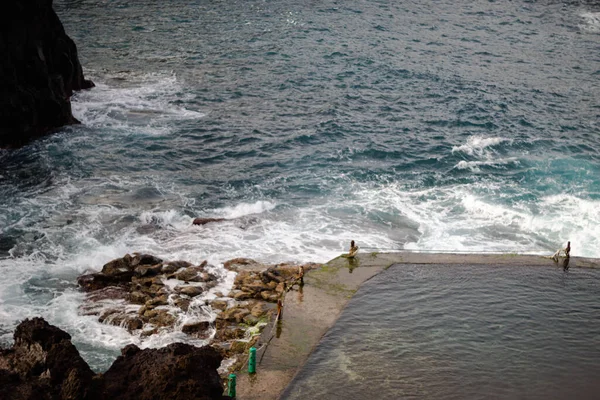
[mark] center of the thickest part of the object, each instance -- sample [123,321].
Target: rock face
[187,372]
[39,70]
[43,357]
[44,364]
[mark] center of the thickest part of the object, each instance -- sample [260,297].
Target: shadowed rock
[39,70]
[43,364]
[177,371]
[202,221]
[44,357]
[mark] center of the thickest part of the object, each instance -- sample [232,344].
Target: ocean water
[462,332]
[467,126]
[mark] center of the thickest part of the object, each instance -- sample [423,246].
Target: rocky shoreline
[149,296]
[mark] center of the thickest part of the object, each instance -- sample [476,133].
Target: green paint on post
[231,386]
[252,361]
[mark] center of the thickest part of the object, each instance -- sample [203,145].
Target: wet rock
[190,274]
[243,296]
[191,291]
[179,370]
[148,270]
[119,269]
[40,69]
[219,304]
[132,323]
[138,297]
[203,221]
[43,354]
[161,317]
[250,319]
[195,327]
[144,259]
[13,387]
[260,309]
[241,264]
[107,293]
[183,303]
[162,300]
[43,364]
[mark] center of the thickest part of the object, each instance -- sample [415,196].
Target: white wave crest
[476,145]
[591,21]
[243,209]
[474,165]
[144,104]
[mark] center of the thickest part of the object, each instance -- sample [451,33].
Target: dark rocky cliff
[43,364]
[39,70]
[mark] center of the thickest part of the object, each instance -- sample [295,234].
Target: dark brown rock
[191,274]
[144,259]
[43,352]
[191,291]
[148,270]
[202,221]
[239,264]
[195,327]
[43,364]
[178,371]
[39,71]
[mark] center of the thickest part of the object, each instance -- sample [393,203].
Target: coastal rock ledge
[43,364]
[39,70]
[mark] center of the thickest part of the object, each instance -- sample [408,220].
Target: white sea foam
[591,21]
[477,145]
[142,104]
[474,166]
[244,209]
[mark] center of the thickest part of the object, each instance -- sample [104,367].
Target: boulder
[190,274]
[195,327]
[144,259]
[43,364]
[43,354]
[189,290]
[178,371]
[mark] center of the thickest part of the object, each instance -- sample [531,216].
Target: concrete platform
[310,311]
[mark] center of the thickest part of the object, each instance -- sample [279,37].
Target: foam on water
[478,145]
[133,103]
[591,21]
[244,209]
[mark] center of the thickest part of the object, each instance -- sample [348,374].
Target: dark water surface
[462,332]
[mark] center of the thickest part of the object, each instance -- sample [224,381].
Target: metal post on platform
[252,361]
[231,386]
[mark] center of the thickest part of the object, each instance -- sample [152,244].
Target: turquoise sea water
[467,126]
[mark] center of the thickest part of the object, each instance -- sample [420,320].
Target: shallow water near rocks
[462,332]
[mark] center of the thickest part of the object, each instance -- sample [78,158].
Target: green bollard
[252,361]
[231,386]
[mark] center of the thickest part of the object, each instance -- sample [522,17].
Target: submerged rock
[39,70]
